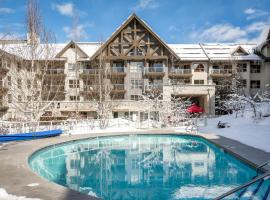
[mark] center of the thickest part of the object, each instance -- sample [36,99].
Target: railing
[221,71]
[180,71]
[153,87]
[242,189]
[154,70]
[118,87]
[55,71]
[261,166]
[118,69]
[90,71]
[70,126]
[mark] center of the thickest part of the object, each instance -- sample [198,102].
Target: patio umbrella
[195,109]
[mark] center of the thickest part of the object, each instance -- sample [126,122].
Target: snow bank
[5,196]
[245,129]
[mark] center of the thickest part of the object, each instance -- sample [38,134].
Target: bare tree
[37,81]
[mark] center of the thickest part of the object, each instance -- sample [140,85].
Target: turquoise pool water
[164,167]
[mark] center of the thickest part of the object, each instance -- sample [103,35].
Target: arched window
[199,68]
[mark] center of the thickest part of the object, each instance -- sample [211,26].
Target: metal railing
[55,71]
[221,71]
[88,125]
[180,71]
[90,71]
[154,70]
[153,86]
[244,186]
[118,87]
[118,69]
[261,166]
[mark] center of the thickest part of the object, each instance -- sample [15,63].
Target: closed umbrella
[195,109]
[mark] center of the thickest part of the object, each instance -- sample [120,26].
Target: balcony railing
[180,71]
[90,71]
[221,71]
[118,87]
[154,86]
[55,71]
[154,70]
[118,69]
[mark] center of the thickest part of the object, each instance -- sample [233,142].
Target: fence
[93,125]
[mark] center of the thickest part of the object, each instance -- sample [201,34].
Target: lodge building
[135,62]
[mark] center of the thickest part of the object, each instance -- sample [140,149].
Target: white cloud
[78,32]
[255,32]
[255,13]
[66,9]
[220,33]
[146,4]
[173,28]
[6,10]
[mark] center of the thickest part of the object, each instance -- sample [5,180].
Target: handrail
[261,166]
[267,174]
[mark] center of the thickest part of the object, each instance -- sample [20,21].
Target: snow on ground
[245,129]
[5,196]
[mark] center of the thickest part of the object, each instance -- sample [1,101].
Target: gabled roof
[238,50]
[69,45]
[268,36]
[129,19]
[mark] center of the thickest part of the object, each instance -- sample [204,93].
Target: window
[199,82]
[19,66]
[136,67]
[242,67]
[136,84]
[255,69]
[9,98]
[243,83]
[28,98]
[19,84]
[74,98]
[180,81]
[74,83]
[71,66]
[199,68]
[28,84]
[9,80]
[255,84]
[19,98]
[135,97]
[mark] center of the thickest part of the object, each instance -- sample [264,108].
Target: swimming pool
[142,167]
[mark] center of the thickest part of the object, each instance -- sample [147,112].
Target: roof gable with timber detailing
[239,51]
[72,45]
[135,39]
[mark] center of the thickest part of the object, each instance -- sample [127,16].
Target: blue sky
[175,21]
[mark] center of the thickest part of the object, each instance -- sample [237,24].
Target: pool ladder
[257,188]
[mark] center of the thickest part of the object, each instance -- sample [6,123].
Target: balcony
[154,71]
[118,88]
[174,72]
[222,72]
[89,72]
[118,71]
[56,73]
[153,87]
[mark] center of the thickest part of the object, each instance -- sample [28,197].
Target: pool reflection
[143,167]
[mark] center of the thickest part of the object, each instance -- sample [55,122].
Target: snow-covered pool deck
[18,179]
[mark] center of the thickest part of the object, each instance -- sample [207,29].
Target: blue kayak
[30,136]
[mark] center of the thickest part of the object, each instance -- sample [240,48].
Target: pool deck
[18,179]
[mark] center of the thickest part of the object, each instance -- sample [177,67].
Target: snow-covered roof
[186,52]
[214,52]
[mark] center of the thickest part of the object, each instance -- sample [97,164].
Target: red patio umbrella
[195,109]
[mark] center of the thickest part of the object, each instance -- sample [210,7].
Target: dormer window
[239,51]
[199,68]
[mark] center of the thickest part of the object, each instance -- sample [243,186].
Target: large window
[255,84]
[136,84]
[135,97]
[242,67]
[199,82]
[136,67]
[255,68]
[242,83]
[74,98]
[74,83]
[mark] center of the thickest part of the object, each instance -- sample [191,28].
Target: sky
[175,21]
